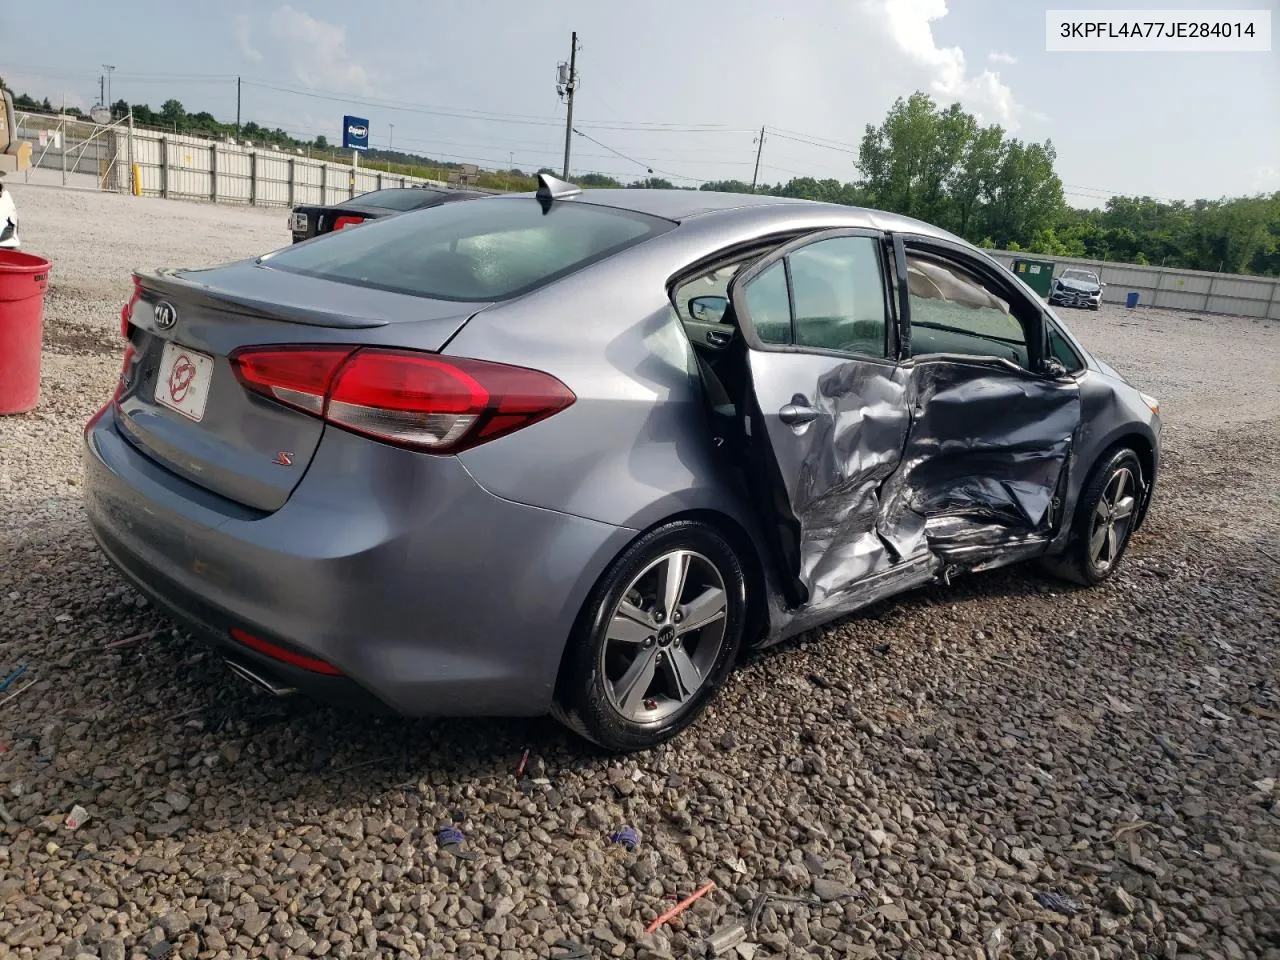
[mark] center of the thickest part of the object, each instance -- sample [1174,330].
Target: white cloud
[995,56]
[244,38]
[909,24]
[1266,177]
[318,51]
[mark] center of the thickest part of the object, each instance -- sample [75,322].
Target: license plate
[183,381]
[299,223]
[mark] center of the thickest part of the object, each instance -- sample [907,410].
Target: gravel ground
[913,778]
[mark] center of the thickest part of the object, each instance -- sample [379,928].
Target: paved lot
[927,767]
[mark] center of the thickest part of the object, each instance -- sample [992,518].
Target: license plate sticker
[183,381]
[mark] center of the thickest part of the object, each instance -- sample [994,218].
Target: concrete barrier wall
[193,168]
[1172,287]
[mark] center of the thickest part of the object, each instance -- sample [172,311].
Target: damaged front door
[993,416]
[818,320]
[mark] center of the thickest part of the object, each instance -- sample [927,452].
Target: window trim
[745,276]
[990,274]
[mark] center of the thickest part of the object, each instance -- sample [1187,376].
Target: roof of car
[679,204]
[683,205]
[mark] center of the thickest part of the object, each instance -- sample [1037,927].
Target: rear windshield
[486,249]
[395,199]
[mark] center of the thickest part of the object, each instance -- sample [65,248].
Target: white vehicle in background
[1077,288]
[8,220]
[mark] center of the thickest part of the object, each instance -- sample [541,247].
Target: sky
[681,88]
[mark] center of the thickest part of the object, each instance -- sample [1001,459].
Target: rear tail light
[418,400]
[347,221]
[126,312]
[297,376]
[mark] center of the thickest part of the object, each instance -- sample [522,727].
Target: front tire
[1104,519]
[655,639]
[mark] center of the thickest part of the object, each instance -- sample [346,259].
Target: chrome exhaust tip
[245,673]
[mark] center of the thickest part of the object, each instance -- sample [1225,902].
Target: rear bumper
[429,594]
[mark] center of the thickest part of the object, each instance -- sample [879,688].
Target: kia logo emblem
[357,131]
[165,315]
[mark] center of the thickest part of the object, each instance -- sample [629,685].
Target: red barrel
[23,281]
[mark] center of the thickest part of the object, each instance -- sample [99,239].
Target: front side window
[486,249]
[952,312]
[828,295]
[1060,349]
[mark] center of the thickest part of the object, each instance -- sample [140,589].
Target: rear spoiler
[167,282]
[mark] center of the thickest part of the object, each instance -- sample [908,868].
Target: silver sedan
[574,452]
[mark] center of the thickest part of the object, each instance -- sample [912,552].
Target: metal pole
[237,106]
[62,148]
[569,87]
[109,68]
[131,148]
[759,150]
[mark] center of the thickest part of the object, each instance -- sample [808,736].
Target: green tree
[173,114]
[1026,195]
[597,180]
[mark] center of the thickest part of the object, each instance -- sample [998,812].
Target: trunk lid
[184,406]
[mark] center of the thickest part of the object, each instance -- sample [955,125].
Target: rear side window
[488,249]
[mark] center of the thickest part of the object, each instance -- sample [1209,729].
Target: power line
[812,143]
[812,136]
[638,163]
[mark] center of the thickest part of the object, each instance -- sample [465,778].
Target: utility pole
[759,149]
[391,140]
[237,106]
[568,82]
[109,68]
[102,89]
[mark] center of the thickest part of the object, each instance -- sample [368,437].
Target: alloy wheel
[1112,519]
[664,636]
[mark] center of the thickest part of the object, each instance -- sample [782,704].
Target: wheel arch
[744,547]
[1144,449]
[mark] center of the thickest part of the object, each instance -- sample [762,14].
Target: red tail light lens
[299,377]
[347,221]
[419,400]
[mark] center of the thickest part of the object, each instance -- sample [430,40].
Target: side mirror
[708,309]
[1101,284]
[1053,368]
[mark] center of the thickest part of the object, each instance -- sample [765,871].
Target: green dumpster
[1036,274]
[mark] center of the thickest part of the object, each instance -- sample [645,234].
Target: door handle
[795,414]
[717,338]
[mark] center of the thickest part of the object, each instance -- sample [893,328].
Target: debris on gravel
[909,782]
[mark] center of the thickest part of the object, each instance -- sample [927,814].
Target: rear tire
[1104,519]
[637,673]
